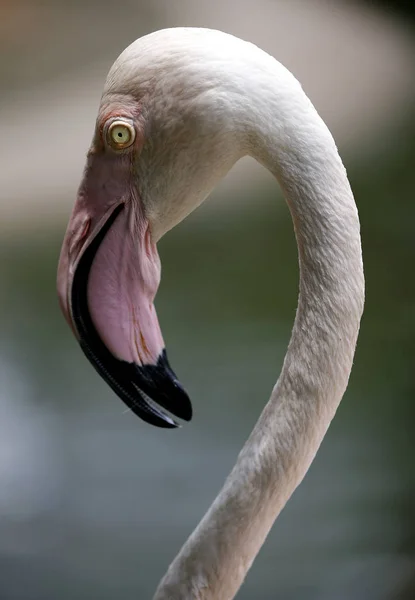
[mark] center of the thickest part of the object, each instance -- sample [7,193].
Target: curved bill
[107,296]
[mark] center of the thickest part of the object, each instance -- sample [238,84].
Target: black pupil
[119,134]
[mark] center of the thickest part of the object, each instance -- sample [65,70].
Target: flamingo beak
[108,275]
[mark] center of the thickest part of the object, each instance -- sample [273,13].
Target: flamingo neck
[289,138]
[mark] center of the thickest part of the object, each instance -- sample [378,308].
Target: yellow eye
[120,135]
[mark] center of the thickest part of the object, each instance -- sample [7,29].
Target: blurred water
[94,503]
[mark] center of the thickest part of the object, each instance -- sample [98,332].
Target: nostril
[85,230]
[78,237]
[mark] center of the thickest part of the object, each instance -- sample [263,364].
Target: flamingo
[180,107]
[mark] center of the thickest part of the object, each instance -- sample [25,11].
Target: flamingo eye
[120,135]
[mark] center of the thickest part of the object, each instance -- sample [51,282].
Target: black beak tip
[143,388]
[161,385]
[150,388]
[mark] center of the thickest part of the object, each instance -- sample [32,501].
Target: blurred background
[94,504]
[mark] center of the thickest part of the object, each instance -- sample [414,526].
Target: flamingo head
[155,155]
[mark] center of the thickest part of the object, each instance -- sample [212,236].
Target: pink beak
[108,275]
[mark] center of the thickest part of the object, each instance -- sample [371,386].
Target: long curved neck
[288,137]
